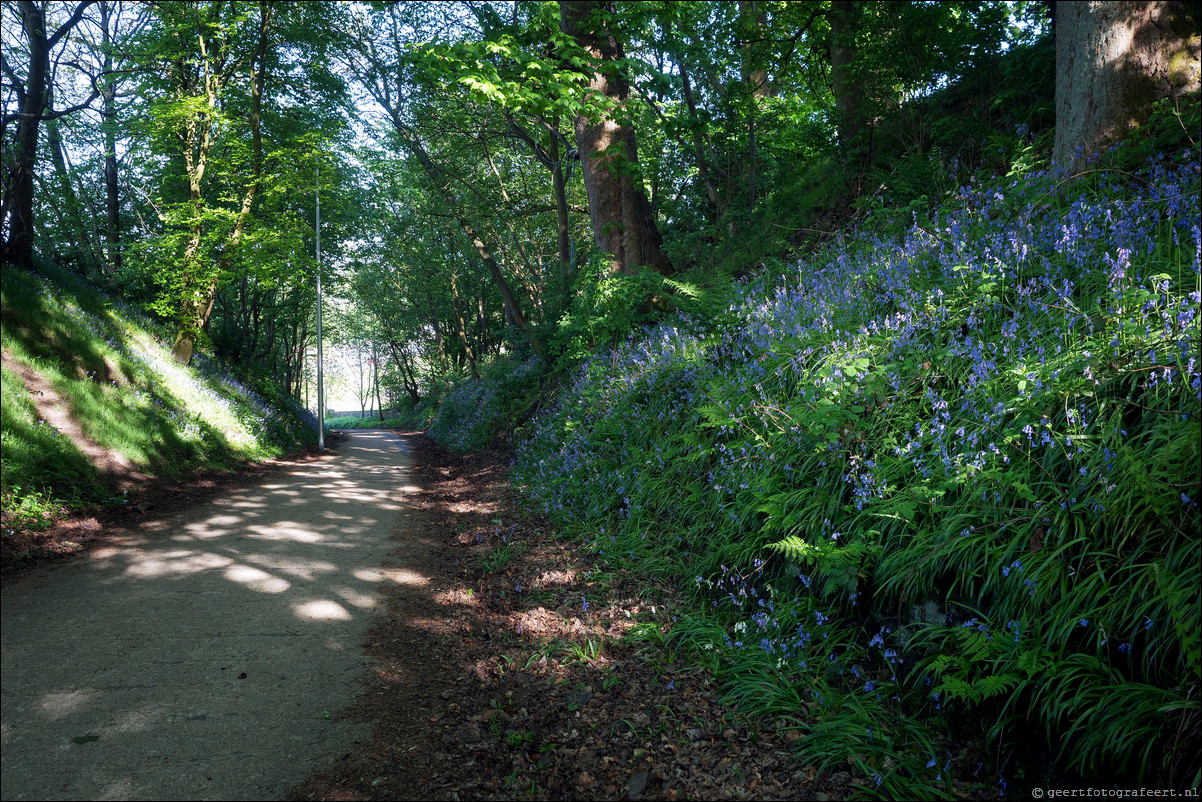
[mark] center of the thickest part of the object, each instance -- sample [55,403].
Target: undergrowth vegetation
[474,411]
[113,372]
[368,422]
[935,488]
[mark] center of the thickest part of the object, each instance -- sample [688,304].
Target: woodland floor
[484,692]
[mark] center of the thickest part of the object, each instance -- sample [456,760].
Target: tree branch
[788,55]
[69,24]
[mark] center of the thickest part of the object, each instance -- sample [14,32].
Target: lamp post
[321,398]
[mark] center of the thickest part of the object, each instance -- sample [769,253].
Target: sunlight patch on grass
[111,367]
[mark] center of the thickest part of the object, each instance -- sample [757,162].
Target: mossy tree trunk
[1113,61]
[200,136]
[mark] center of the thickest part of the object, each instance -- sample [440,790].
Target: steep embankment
[93,404]
[936,491]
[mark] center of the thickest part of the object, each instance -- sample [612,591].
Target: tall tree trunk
[16,208]
[702,147]
[561,203]
[1113,61]
[549,157]
[258,77]
[199,305]
[623,221]
[408,377]
[75,212]
[375,378]
[364,388]
[112,199]
[460,325]
[200,282]
[296,372]
[20,158]
[482,322]
[441,344]
[754,19]
[849,111]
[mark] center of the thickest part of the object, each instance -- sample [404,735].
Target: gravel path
[204,658]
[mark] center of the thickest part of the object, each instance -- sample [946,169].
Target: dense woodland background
[873,325]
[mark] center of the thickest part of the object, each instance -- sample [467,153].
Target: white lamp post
[321,398]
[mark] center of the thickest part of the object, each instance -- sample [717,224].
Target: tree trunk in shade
[112,199]
[16,206]
[623,222]
[849,111]
[1113,61]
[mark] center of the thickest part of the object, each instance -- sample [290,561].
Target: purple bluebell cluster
[474,411]
[993,409]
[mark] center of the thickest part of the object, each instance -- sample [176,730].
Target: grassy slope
[109,366]
[936,489]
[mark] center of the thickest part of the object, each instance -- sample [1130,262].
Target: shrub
[478,411]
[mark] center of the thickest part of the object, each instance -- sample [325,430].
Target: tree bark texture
[199,135]
[112,199]
[849,111]
[1113,61]
[563,233]
[753,21]
[84,252]
[461,325]
[623,222]
[196,309]
[16,212]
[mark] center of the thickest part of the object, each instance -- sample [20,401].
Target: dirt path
[202,658]
[508,674]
